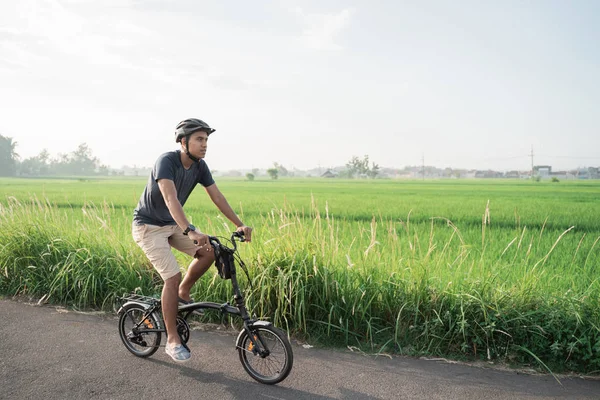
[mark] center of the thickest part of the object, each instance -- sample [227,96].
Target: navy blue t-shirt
[151,208]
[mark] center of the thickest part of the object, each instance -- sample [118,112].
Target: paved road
[49,353]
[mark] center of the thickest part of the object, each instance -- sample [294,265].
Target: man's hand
[246,231]
[200,239]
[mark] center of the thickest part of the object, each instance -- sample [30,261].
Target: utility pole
[531,155]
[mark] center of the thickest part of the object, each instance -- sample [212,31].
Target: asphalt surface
[51,353]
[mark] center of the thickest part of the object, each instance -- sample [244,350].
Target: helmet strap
[187,149]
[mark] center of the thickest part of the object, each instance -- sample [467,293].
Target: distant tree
[346,174]
[255,171]
[281,169]
[28,167]
[374,171]
[82,161]
[79,162]
[555,179]
[60,165]
[36,166]
[250,176]
[357,167]
[44,157]
[103,170]
[352,167]
[273,173]
[8,156]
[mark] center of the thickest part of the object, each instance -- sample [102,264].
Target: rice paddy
[488,269]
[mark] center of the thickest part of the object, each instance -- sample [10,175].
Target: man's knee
[174,280]
[206,256]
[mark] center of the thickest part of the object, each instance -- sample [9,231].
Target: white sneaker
[178,353]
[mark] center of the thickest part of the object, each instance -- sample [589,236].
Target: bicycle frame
[153,305]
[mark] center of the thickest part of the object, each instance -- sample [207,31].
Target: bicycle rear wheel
[138,342]
[273,367]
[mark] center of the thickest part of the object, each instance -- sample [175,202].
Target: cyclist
[159,222]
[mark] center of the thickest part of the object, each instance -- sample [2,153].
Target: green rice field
[497,270]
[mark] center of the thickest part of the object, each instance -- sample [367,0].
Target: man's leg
[169,308]
[196,269]
[154,241]
[204,257]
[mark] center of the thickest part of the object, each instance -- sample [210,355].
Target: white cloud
[321,30]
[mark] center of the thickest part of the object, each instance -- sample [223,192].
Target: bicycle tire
[141,344]
[277,365]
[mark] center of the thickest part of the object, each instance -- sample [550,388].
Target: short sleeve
[204,176]
[164,168]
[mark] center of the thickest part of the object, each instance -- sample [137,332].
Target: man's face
[197,144]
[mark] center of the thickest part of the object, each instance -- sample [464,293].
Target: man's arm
[169,193]
[221,202]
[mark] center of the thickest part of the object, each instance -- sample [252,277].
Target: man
[159,222]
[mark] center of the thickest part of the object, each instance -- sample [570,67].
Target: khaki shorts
[156,242]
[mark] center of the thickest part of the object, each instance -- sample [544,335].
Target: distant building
[588,173]
[328,174]
[542,170]
[488,174]
[561,175]
[525,174]
[470,173]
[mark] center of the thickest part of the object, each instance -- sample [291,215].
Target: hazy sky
[471,84]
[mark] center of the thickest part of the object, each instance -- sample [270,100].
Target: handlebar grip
[211,240]
[239,235]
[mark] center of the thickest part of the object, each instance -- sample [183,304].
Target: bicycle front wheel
[132,324]
[275,364]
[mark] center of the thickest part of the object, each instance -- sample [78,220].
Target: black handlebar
[239,235]
[214,241]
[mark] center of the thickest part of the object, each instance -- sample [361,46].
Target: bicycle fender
[238,342]
[129,303]
[146,306]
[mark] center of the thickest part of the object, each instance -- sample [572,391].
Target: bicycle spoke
[271,366]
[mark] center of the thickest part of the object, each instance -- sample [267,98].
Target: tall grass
[423,288]
[522,295]
[81,261]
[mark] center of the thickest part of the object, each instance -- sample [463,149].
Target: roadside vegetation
[500,271]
